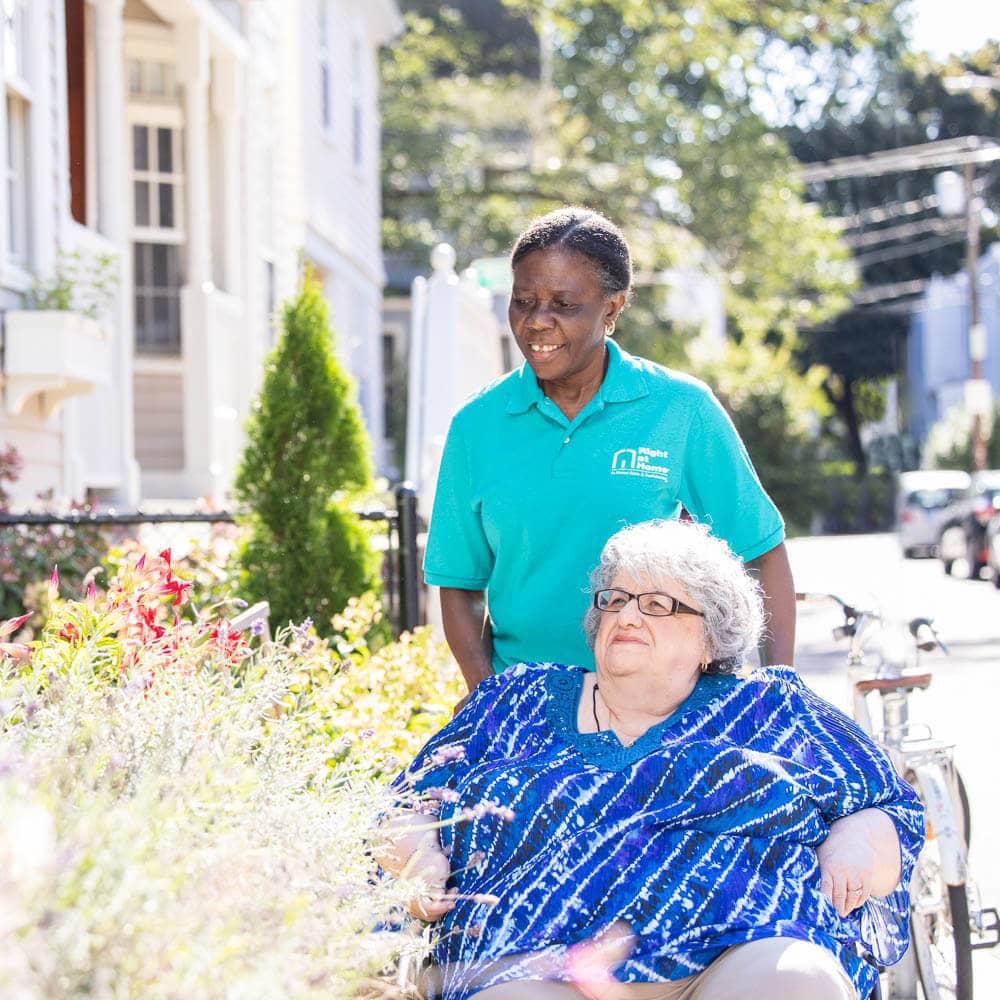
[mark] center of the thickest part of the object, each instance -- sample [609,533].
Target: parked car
[921,501]
[993,548]
[963,529]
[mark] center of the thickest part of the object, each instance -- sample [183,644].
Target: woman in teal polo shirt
[543,466]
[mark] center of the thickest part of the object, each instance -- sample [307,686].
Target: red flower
[70,633]
[229,643]
[170,586]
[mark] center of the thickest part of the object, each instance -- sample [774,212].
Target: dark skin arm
[463,613]
[775,575]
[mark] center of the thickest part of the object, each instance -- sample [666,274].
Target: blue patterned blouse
[700,835]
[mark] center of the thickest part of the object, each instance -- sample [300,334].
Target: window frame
[17,180]
[153,116]
[18,81]
[358,131]
[325,65]
[17,113]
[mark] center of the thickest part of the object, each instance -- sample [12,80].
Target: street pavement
[962,703]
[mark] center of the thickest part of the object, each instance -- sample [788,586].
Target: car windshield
[932,499]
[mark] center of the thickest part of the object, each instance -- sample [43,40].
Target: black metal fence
[401,560]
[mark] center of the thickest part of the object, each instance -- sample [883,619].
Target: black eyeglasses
[653,604]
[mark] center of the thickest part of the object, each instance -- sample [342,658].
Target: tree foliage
[307,455]
[777,417]
[653,114]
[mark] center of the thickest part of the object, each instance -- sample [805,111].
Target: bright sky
[946,26]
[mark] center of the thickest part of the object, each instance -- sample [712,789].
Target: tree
[777,413]
[307,455]
[891,220]
[648,113]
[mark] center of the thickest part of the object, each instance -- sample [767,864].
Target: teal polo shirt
[526,499]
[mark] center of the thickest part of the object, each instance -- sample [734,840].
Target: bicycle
[947,921]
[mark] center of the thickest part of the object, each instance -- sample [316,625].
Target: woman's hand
[429,864]
[410,849]
[858,859]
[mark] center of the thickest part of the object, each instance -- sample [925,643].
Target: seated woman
[751,840]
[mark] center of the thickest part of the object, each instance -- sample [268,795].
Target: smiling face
[669,650]
[558,314]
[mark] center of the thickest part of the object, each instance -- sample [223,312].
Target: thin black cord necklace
[597,721]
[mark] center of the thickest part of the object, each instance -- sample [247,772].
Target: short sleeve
[457,553]
[720,486]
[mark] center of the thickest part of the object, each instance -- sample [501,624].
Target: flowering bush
[391,699]
[29,551]
[183,813]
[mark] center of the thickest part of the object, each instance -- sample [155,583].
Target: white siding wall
[300,190]
[343,193]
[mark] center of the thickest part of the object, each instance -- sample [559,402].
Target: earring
[609,329]
[703,667]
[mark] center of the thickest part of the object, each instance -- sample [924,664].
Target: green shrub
[949,443]
[307,459]
[776,410]
[848,505]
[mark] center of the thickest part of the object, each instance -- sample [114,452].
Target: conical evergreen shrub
[307,456]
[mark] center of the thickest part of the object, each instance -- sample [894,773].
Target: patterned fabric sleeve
[490,715]
[863,777]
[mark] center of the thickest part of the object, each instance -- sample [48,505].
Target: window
[357,95]
[17,124]
[151,80]
[156,177]
[270,301]
[325,67]
[157,299]
[17,179]
[15,39]
[157,197]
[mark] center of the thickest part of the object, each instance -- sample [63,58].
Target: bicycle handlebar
[922,629]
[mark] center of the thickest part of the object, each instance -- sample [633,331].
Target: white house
[938,365]
[207,146]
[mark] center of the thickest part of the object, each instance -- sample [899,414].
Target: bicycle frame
[947,912]
[930,760]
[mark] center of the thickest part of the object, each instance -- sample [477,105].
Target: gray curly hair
[705,567]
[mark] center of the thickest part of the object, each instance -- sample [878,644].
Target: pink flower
[15,650]
[10,626]
[590,963]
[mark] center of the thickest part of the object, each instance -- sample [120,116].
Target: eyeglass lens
[657,605]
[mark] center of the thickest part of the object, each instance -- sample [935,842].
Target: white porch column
[227,101]
[45,202]
[193,66]
[193,74]
[112,191]
[111,137]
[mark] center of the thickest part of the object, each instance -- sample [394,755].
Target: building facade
[202,149]
[938,364]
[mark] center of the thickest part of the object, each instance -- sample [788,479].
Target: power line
[895,290]
[907,229]
[908,249]
[926,156]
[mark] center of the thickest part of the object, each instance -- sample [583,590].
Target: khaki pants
[771,969]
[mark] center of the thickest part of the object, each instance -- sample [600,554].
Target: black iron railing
[401,565]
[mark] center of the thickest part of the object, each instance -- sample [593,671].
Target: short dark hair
[587,232]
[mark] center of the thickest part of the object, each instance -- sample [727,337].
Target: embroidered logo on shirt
[647,463]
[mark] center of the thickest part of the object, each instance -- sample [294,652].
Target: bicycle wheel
[940,930]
